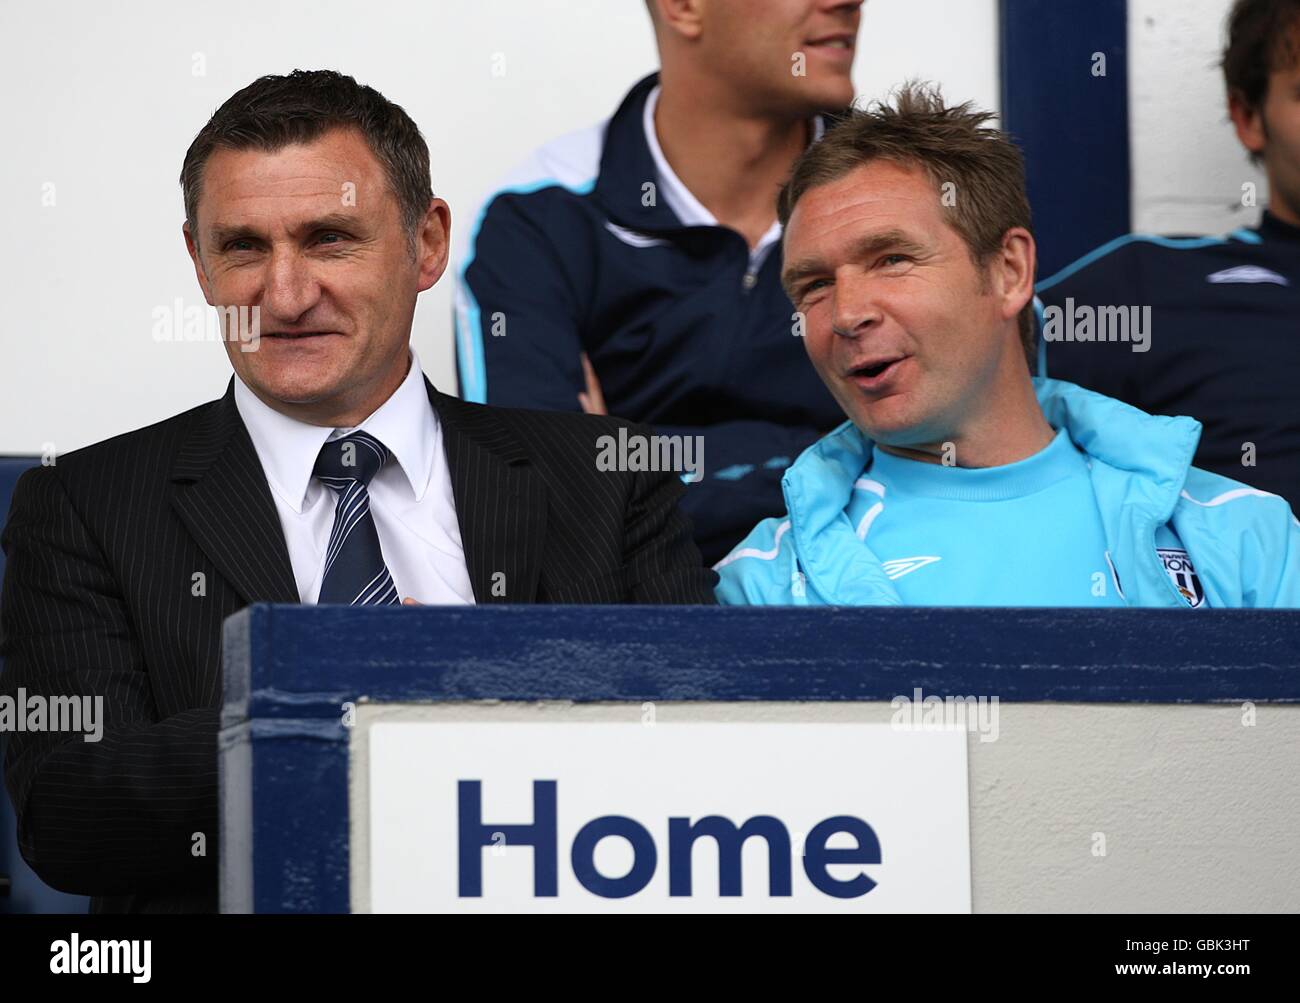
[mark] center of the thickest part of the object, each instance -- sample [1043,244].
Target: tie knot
[353,457]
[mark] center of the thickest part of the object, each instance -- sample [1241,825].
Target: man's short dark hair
[275,111]
[951,144]
[1263,37]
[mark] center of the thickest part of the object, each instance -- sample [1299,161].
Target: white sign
[571,817]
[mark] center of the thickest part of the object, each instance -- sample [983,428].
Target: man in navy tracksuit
[634,267]
[1222,339]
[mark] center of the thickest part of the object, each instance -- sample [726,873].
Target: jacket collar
[221,494]
[626,164]
[1138,465]
[1155,448]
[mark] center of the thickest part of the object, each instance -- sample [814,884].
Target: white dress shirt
[410,498]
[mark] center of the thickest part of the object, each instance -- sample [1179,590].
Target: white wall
[1188,168]
[102,100]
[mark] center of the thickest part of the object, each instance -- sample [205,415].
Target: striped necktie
[355,572]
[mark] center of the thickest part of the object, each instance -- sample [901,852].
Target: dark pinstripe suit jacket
[101,598]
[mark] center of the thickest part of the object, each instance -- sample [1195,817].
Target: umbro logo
[1248,273]
[901,566]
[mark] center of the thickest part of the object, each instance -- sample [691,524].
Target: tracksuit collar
[626,166]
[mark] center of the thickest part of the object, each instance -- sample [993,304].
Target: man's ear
[685,17]
[432,245]
[1249,123]
[192,246]
[1015,265]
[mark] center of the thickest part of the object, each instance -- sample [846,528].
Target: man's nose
[855,310]
[291,287]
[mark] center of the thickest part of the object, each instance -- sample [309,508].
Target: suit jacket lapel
[222,496]
[500,501]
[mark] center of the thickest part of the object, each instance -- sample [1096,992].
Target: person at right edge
[1223,343]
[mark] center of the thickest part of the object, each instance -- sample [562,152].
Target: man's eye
[239,245]
[812,286]
[894,259]
[325,238]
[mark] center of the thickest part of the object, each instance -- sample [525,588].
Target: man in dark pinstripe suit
[331,470]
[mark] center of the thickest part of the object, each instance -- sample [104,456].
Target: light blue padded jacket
[1243,543]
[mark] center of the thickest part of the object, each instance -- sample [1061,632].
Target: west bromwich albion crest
[1179,568]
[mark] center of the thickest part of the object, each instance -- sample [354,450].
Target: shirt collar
[288,448]
[685,206]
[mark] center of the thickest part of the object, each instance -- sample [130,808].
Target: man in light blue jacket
[959,479]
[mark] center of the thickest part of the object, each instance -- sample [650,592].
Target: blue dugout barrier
[289,670]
